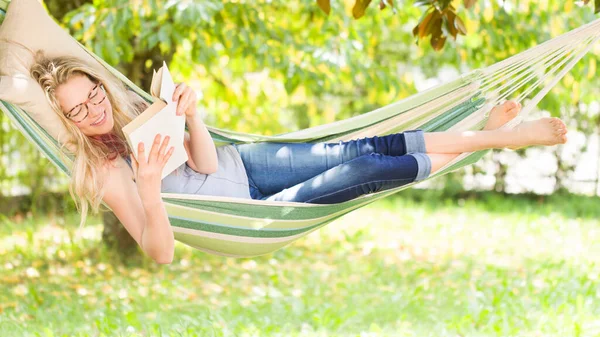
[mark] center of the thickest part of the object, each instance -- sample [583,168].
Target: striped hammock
[244,228]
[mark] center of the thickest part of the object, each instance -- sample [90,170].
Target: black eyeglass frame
[85,104]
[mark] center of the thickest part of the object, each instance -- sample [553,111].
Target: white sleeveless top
[230,180]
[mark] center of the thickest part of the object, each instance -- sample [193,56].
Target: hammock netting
[244,228]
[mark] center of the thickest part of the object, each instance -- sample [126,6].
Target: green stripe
[448,119]
[469,160]
[244,232]
[36,134]
[264,211]
[238,221]
[3,7]
[385,112]
[237,249]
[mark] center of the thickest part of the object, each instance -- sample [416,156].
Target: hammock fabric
[244,228]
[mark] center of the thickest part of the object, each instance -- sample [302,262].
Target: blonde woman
[94,109]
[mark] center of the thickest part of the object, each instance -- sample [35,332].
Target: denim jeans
[326,173]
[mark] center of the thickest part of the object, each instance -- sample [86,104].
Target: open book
[160,118]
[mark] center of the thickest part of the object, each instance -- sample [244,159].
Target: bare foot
[544,131]
[501,114]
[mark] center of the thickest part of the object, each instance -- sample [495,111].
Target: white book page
[167,86]
[165,123]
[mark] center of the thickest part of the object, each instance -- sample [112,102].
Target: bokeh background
[506,247]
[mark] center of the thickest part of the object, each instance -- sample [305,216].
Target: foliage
[439,21]
[487,265]
[273,66]
[267,75]
[596,5]
[23,169]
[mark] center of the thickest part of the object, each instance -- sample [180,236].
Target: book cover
[159,118]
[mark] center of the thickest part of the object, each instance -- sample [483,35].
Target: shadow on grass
[568,205]
[310,291]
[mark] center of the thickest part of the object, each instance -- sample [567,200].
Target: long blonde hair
[91,154]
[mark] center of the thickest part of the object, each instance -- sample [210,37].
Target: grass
[416,265]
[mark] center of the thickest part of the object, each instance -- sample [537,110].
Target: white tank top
[230,180]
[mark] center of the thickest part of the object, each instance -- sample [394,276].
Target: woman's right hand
[148,171]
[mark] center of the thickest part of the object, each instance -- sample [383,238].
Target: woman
[94,109]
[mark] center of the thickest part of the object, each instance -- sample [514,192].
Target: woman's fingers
[178,96]
[184,101]
[178,90]
[154,150]
[141,154]
[156,160]
[185,97]
[167,155]
[163,148]
[159,150]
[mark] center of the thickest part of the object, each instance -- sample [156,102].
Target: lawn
[487,265]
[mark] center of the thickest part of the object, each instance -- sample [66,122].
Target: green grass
[418,265]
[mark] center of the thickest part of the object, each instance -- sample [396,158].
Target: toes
[508,105]
[513,112]
[514,105]
[557,123]
[505,107]
[497,109]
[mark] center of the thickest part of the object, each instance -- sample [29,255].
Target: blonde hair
[91,154]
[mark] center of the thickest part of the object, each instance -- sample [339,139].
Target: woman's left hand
[186,100]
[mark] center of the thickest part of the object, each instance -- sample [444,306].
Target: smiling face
[80,96]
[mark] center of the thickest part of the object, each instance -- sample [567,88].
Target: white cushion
[28,28]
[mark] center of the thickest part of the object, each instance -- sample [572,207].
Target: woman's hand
[186,99]
[148,172]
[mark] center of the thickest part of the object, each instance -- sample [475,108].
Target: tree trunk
[500,175]
[116,237]
[137,71]
[58,8]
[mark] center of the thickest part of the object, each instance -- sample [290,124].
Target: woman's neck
[114,144]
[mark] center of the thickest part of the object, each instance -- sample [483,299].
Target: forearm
[157,235]
[202,147]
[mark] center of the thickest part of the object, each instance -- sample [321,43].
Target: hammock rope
[243,228]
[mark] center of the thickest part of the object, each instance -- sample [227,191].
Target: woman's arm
[200,146]
[202,150]
[139,206]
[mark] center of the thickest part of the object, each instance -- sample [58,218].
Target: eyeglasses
[80,112]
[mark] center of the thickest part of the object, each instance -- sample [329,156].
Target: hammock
[244,228]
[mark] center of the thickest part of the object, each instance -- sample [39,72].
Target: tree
[439,21]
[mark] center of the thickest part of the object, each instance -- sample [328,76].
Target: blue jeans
[326,173]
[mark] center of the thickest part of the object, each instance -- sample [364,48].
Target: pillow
[27,27]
